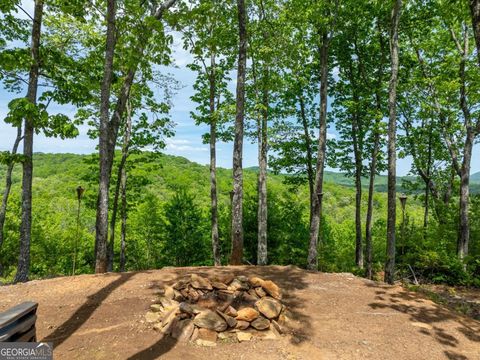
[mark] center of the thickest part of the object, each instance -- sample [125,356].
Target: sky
[187,141]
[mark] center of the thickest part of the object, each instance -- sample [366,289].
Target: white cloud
[184,145]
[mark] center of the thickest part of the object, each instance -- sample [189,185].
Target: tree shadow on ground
[427,316]
[161,347]
[290,279]
[84,312]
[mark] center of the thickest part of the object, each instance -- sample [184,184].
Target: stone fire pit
[224,308]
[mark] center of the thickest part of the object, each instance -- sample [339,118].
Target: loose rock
[247,314]
[238,285]
[242,325]
[244,336]
[230,311]
[272,289]
[269,307]
[260,323]
[206,337]
[219,285]
[199,282]
[260,292]
[255,281]
[231,322]
[156,307]
[209,320]
[169,292]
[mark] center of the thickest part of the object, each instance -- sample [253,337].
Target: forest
[394,79]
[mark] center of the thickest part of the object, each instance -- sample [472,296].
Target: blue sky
[187,141]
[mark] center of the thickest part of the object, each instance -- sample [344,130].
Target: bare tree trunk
[213,167]
[368,226]
[374,160]
[308,145]
[464,231]
[427,188]
[262,256]
[121,169]
[109,128]
[237,201]
[105,168]
[358,193]
[392,135]
[471,132]
[8,186]
[23,268]
[123,232]
[312,261]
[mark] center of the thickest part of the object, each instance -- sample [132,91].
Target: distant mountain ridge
[475,178]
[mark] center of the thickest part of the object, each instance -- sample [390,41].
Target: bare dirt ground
[337,316]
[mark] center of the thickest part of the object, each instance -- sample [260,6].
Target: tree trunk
[237,200]
[213,167]
[262,257]
[308,145]
[357,151]
[121,169]
[471,132]
[312,261]
[109,128]
[123,233]
[464,230]
[8,187]
[427,187]
[392,134]
[26,222]
[475,12]
[374,160]
[105,172]
[368,226]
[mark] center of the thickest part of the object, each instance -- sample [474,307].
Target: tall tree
[376,139]
[207,34]
[236,257]
[325,33]
[360,57]
[29,129]
[263,53]
[294,142]
[392,132]
[104,136]
[109,125]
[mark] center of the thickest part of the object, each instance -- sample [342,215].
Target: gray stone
[199,282]
[269,307]
[210,320]
[260,323]
[219,285]
[231,322]
[242,325]
[238,285]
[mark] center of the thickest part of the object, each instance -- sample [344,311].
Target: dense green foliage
[168,222]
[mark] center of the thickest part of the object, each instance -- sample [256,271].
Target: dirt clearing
[336,316]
